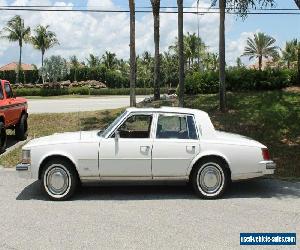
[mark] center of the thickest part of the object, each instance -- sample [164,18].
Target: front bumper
[24,170]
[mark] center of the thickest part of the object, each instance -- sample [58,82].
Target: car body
[148,144]
[13,114]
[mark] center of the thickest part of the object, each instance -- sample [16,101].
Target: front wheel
[3,137]
[210,178]
[59,179]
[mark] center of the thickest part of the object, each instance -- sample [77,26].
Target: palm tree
[194,47]
[180,52]
[155,10]
[43,39]
[241,7]
[222,62]
[93,61]
[15,31]
[289,54]
[110,60]
[132,54]
[75,65]
[259,47]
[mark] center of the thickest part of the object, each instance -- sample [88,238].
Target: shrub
[81,91]
[30,76]
[240,80]
[204,82]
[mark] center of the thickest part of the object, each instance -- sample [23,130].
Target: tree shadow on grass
[99,121]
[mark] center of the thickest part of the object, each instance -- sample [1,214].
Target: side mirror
[117,135]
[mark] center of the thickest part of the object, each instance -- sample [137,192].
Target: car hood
[238,139]
[68,137]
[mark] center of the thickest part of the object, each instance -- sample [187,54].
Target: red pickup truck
[13,114]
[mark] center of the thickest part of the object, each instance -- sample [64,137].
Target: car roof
[168,110]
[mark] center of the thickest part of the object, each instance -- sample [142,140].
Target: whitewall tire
[210,178]
[59,179]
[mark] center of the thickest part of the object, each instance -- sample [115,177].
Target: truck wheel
[3,137]
[21,128]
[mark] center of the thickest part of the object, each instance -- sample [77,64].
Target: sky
[82,33]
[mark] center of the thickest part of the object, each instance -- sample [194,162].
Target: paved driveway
[65,105]
[143,217]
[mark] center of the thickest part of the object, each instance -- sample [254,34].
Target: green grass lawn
[271,117]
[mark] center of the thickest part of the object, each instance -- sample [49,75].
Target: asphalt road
[143,217]
[65,105]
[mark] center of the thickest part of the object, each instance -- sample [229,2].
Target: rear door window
[176,127]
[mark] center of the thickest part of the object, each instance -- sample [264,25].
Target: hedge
[30,76]
[240,80]
[237,79]
[82,91]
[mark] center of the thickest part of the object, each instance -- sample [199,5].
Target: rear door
[175,145]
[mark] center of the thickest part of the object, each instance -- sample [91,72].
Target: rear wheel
[3,137]
[59,179]
[210,178]
[21,128]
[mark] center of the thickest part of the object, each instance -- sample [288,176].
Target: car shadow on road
[259,188]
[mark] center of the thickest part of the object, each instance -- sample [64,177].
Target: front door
[127,153]
[11,113]
[174,146]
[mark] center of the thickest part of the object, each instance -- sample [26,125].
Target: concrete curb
[17,145]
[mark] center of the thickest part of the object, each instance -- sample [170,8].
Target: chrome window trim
[127,117]
[179,115]
[154,122]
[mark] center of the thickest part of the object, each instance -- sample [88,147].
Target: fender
[55,153]
[207,153]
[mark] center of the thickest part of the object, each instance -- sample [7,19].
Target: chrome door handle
[191,149]
[144,149]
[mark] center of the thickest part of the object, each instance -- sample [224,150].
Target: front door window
[136,126]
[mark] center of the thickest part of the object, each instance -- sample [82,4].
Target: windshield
[114,123]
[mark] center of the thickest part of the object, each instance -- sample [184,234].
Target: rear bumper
[24,171]
[264,168]
[267,167]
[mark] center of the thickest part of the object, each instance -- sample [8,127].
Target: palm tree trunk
[222,87]
[19,66]
[43,78]
[180,52]
[156,8]
[259,63]
[288,64]
[298,63]
[132,54]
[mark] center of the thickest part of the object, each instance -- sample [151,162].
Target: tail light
[266,154]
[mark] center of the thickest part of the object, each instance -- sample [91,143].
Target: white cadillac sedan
[146,144]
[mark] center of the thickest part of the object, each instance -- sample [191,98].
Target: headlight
[26,156]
